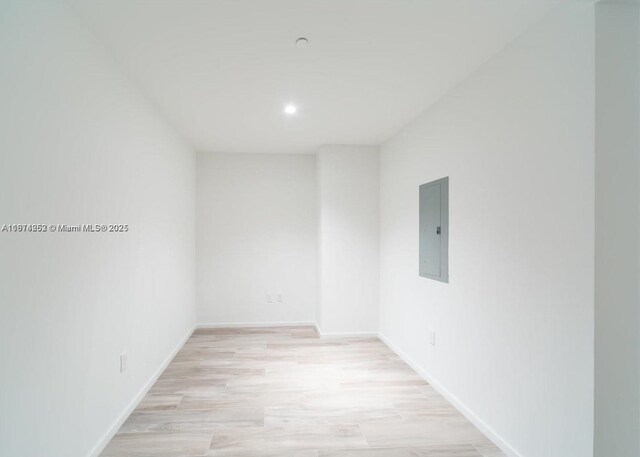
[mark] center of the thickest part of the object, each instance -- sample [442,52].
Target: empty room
[319,228]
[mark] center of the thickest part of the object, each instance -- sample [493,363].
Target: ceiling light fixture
[290,109]
[302,42]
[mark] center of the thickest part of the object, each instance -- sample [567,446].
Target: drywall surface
[78,145]
[348,197]
[256,238]
[617,267]
[514,326]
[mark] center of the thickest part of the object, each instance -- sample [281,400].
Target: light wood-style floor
[284,392]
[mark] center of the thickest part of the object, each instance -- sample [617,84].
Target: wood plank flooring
[284,392]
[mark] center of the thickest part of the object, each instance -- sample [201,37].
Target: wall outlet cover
[124,362]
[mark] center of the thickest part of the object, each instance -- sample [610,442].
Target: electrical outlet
[124,362]
[432,337]
[280,299]
[268,298]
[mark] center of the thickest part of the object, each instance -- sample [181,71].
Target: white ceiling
[221,71]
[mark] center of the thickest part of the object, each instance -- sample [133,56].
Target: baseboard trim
[322,334]
[470,415]
[255,324]
[138,398]
[466,412]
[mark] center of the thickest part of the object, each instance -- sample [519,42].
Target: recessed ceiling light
[290,109]
[302,42]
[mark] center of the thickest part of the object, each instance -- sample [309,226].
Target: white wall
[78,145]
[514,326]
[617,249]
[348,197]
[256,235]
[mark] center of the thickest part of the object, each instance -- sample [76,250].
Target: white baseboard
[254,324]
[466,412]
[343,335]
[470,415]
[285,324]
[137,399]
